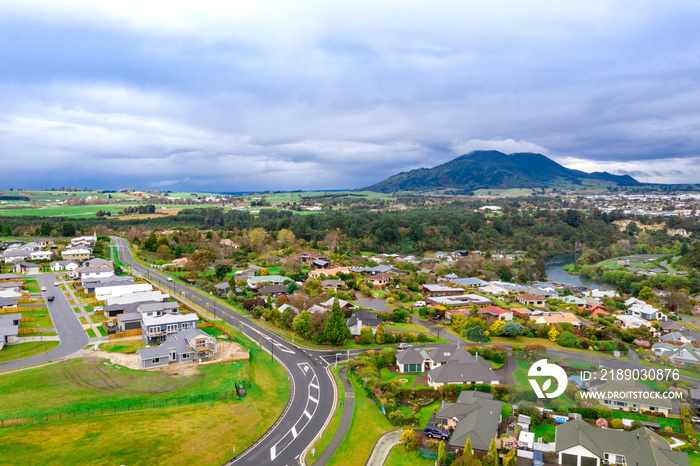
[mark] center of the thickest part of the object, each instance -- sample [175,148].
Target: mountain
[495,170]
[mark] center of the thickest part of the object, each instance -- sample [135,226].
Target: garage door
[569,460]
[588,461]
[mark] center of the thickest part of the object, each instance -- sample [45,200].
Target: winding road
[313,392]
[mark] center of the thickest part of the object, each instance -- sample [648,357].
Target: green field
[155,436]
[400,457]
[367,424]
[42,316]
[25,350]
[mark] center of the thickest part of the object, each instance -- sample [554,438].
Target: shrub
[616,424]
[567,339]
[497,328]
[366,335]
[553,334]
[476,334]
[408,438]
[601,422]
[513,329]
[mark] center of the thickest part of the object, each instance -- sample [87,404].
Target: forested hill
[494,170]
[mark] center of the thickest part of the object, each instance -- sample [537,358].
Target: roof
[471,281]
[494,310]
[129,317]
[439,288]
[269,278]
[477,415]
[632,320]
[411,356]
[367,319]
[640,447]
[169,319]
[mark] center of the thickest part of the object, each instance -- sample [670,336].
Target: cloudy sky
[261,95]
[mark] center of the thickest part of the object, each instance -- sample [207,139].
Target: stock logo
[543,369]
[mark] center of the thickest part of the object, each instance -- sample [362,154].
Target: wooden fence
[25,331]
[14,310]
[128,333]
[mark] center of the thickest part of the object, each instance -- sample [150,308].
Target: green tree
[476,334]
[646,294]
[567,339]
[497,328]
[287,319]
[380,334]
[46,229]
[366,335]
[442,455]
[291,288]
[163,253]
[221,270]
[468,455]
[68,229]
[336,332]
[493,454]
[301,324]
[408,438]
[513,329]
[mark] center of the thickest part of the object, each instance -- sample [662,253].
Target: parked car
[419,304]
[404,346]
[695,420]
[436,432]
[55,283]
[43,289]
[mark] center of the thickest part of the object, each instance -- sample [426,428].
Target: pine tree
[380,334]
[442,456]
[493,453]
[467,455]
[336,332]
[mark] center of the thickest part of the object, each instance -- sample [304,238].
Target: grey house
[474,415]
[129,321]
[157,329]
[9,328]
[361,319]
[184,346]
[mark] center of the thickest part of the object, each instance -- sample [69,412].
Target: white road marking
[313,399]
[313,386]
[306,413]
[294,432]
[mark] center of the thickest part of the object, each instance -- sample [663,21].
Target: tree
[408,438]
[442,455]
[476,334]
[493,454]
[288,317]
[201,259]
[264,272]
[468,454]
[336,332]
[553,334]
[380,334]
[616,424]
[46,229]
[600,422]
[567,339]
[366,335]
[646,294]
[285,237]
[513,329]
[300,324]
[163,253]
[291,288]
[497,327]
[68,229]
[221,270]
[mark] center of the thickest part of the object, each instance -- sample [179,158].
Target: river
[555,271]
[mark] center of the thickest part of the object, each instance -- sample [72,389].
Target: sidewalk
[383,447]
[46,338]
[345,420]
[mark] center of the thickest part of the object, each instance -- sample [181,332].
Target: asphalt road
[73,337]
[313,393]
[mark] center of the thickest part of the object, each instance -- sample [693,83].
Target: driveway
[73,337]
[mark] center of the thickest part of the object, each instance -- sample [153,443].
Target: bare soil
[227,351]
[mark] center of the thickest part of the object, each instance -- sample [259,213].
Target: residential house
[467,300]
[376,270]
[328,272]
[156,329]
[12,256]
[360,319]
[380,280]
[496,313]
[76,254]
[674,337]
[646,312]
[258,282]
[527,299]
[9,329]
[316,308]
[557,318]
[440,290]
[286,306]
[470,282]
[671,326]
[332,284]
[184,346]
[631,322]
[103,292]
[454,365]
[99,271]
[98,262]
[84,241]
[40,256]
[229,244]
[573,300]
[129,321]
[90,284]
[44,242]
[140,297]
[412,360]
[475,415]
[321,264]
[222,288]
[344,305]
[686,354]
[181,262]
[524,312]
[578,443]
[27,267]
[272,290]
[11,286]
[157,309]
[492,288]
[627,395]
[60,266]
[307,257]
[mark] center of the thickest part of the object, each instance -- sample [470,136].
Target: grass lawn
[519,375]
[694,458]
[32,286]
[426,413]
[42,316]
[330,431]
[401,327]
[91,333]
[98,318]
[367,424]
[83,320]
[545,431]
[126,346]
[215,332]
[102,331]
[388,376]
[400,457]
[30,348]
[665,422]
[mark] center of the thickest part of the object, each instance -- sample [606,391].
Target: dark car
[436,432]
[50,297]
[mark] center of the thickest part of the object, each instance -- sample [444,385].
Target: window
[172,328]
[156,360]
[185,325]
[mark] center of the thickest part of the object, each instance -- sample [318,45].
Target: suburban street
[73,337]
[313,392]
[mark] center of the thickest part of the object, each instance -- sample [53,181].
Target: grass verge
[332,428]
[30,348]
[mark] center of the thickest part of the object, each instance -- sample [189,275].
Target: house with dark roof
[475,415]
[27,267]
[456,366]
[273,290]
[184,346]
[9,328]
[157,329]
[440,290]
[334,284]
[412,360]
[380,280]
[360,319]
[581,444]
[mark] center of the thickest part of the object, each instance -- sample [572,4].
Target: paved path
[345,420]
[383,447]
